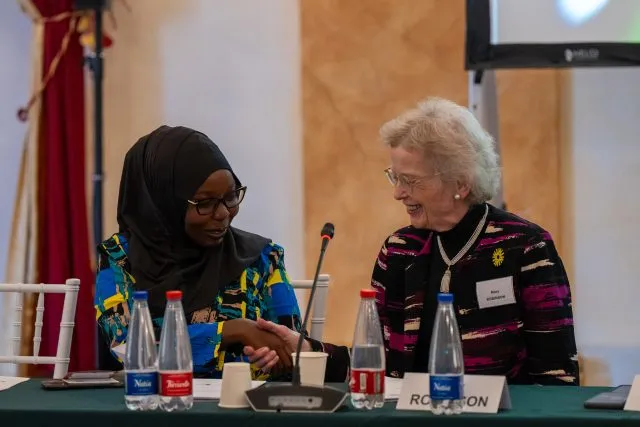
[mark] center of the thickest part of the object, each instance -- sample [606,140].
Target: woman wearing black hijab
[178,196]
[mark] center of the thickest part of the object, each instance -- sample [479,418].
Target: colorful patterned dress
[263,290]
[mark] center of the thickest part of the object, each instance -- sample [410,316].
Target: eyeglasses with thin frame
[396,179]
[230,200]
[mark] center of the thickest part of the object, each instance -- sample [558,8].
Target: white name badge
[633,400]
[483,394]
[495,292]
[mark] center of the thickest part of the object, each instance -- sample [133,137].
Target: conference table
[28,405]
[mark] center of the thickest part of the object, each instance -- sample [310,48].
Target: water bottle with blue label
[141,358]
[446,364]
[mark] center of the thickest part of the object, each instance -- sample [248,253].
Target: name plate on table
[483,394]
[633,400]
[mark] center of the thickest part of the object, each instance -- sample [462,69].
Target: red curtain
[63,248]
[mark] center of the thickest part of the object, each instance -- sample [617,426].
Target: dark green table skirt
[27,405]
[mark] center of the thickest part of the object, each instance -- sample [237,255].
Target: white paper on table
[8,382]
[209,389]
[392,388]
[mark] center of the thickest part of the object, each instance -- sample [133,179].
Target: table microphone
[295,397]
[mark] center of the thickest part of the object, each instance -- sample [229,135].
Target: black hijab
[161,172]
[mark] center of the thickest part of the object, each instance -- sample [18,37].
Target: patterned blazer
[528,338]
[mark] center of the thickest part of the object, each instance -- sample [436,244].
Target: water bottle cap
[140,295]
[367,293]
[445,297]
[174,295]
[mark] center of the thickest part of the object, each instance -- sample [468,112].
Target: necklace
[446,277]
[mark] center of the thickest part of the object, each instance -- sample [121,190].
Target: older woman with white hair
[511,292]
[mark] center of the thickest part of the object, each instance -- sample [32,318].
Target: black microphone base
[283,397]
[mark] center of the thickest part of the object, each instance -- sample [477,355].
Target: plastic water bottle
[175,360]
[141,359]
[367,356]
[446,364]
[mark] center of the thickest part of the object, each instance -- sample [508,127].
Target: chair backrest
[319,307]
[67,322]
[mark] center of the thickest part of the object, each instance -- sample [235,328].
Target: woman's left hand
[264,358]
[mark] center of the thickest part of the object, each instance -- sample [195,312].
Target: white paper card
[392,388]
[495,292]
[633,400]
[8,382]
[484,394]
[209,389]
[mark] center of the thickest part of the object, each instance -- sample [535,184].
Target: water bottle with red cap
[367,356]
[175,361]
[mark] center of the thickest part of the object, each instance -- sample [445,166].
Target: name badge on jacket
[495,292]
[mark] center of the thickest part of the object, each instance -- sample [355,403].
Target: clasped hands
[268,345]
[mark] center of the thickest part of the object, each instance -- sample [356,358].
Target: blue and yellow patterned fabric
[263,290]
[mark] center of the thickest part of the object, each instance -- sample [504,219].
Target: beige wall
[363,63]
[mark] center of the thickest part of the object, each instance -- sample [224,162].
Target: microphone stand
[295,378]
[95,63]
[295,397]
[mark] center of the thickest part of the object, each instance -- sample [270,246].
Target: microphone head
[327,231]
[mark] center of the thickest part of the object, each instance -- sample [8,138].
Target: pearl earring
[457,197]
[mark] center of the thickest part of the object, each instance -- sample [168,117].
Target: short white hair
[452,140]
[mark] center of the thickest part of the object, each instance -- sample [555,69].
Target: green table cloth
[27,405]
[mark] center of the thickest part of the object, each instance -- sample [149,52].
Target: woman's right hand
[247,333]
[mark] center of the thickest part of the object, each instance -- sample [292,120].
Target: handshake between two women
[268,346]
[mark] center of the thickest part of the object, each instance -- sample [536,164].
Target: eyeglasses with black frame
[230,200]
